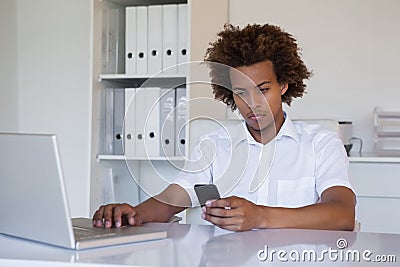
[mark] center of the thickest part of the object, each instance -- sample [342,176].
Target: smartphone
[206,192]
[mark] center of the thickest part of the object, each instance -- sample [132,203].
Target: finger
[124,214]
[117,216]
[108,215]
[219,212]
[232,223]
[219,221]
[219,203]
[133,218]
[98,217]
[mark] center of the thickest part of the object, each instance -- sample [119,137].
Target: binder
[167,122]
[141,40]
[152,124]
[182,39]
[170,38]
[130,40]
[118,120]
[155,39]
[108,121]
[181,117]
[110,44]
[140,120]
[129,123]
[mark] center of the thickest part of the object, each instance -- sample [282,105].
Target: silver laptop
[33,200]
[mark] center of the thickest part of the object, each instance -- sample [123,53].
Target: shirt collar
[287,129]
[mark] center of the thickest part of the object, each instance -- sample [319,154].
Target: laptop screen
[33,200]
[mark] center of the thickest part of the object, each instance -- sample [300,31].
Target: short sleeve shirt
[304,160]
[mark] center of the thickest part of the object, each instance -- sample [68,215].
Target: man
[303,185]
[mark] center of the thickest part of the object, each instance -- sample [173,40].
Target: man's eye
[239,92]
[263,90]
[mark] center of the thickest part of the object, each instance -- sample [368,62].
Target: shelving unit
[111,174]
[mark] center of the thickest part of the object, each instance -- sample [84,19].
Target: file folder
[109,121]
[118,120]
[170,39]
[155,39]
[130,40]
[181,120]
[141,43]
[152,124]
[167,122]
[129,123]
[140,119]
[110,40]
[182,39]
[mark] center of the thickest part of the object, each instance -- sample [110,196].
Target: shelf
[144,76]
[146,2]
[164,80]
[388,131]
[373,158]
[122,158]
[387,113]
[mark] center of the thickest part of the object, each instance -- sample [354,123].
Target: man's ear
[284,88]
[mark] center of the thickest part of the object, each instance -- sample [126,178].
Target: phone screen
[206,192]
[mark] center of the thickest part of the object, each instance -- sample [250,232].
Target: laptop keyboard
[82,233]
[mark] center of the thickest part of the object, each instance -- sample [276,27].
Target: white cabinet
[115,178]
[376,181]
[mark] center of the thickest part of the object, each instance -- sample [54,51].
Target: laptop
[33,199]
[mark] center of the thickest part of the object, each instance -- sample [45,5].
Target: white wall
[8,67]
[54,84]
[352,48]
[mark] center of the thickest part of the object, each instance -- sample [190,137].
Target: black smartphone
[206,192]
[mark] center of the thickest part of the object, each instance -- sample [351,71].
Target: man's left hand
[232,213]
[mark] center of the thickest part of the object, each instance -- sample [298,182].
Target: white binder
[130,40]
[152,124]
[141,43]
[118,120]
[170,38]
[182,39]
[181,118]
[111,45]
[129,123]
[109,121]
[140,120]
[155,39]
[167,122]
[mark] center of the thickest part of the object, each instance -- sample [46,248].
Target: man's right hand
[160,208]
[116,215]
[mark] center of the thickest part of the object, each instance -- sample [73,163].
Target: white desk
[204,245]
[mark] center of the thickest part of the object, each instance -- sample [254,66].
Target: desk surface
[206,245]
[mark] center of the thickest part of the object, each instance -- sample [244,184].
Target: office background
[46,68]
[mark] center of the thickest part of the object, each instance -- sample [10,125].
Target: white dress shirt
[295,168]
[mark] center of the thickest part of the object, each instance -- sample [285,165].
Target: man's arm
[160,208]
[336,211]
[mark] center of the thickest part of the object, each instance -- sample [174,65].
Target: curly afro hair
[255,43]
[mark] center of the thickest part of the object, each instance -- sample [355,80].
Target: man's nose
[255,98]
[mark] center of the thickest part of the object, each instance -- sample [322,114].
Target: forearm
[162,207]
[153,210]
[336,211]
[329,216]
